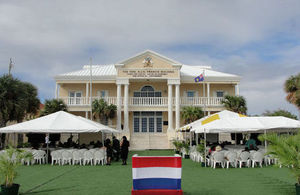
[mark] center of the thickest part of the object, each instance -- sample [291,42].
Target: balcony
[148,101]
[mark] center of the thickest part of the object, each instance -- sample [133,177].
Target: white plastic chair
[88,157]
[244,158]
[39,156]
[257,158]
[218,158]
[77,157]
[231,159]
[99,157]
[67,157]
[56,157]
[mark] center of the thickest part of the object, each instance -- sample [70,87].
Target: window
[147,91]
[102,93]
[220,93]
[75,97]
[147,122]
[136,125]
[190,93]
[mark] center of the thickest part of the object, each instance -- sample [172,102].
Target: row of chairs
[81,156]
[235,159]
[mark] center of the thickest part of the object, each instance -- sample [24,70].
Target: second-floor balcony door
[147,96]
[75,97]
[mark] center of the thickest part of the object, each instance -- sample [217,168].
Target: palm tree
[191,113]
[52,106]
[235,104]
[103,111]
[17,100]
[292,88]
[287,149]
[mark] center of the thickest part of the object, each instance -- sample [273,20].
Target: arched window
[147,88]
[147,91]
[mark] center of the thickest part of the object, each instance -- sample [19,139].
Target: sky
[258,40]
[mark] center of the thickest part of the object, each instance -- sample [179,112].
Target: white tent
[231,122]
[246,124]
[212,118]
[58,122]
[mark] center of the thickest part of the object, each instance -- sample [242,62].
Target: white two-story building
[149,91]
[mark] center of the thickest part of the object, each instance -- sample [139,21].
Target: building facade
[149,91]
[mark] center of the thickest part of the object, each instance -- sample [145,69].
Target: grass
[116,179]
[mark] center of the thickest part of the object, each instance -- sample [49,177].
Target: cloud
[258,40]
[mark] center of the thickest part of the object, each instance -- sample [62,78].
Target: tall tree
[17,100]
[235,104]
[52,106]
[292,88]
[280,112]
[103,111]
[191,113]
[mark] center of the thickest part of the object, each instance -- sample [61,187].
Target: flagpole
[91,88]
[204,105]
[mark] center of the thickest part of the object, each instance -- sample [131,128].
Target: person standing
[124,149]
[116,148]
[108,151]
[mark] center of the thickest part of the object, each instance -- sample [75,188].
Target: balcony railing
[148,101]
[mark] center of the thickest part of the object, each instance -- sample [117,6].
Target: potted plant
[186,146]
[201,149]
[177,145]
[10,160]
[287,149]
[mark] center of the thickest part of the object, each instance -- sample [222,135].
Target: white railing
[201,101]
[147,101]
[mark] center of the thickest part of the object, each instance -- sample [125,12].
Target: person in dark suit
[116,148]
[124,149]
[109,151]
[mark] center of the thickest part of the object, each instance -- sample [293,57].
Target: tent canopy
[58,122]
[230,122]
[212,118]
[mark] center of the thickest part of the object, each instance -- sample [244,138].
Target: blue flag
[199,78]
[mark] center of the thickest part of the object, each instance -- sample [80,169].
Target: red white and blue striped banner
[156,173]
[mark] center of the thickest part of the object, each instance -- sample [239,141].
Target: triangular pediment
[148,59]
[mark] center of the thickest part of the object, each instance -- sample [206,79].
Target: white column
[87,93]
[126,117]
[237,89]
[177,104]
[119,107]
[208,93]
[56,90]
[86,114]
[170,112]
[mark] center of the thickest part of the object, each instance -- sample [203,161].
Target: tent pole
[235,138]
[196,138]
[265,132]
[204,148]
[190,138]
[47,150]
[102,138]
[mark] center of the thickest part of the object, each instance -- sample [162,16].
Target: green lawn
[116,179]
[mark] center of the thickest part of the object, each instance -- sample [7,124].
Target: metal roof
[108,71]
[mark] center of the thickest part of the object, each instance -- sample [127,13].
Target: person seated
[251,147]
[252,142]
